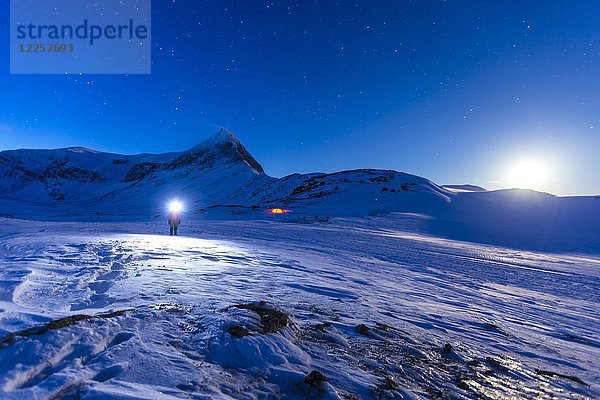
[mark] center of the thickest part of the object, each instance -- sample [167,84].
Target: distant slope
[357,193]
[525,218]
[464,188]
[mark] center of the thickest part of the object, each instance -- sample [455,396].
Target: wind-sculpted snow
[350,309]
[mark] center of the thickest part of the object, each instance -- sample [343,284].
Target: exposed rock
[496,364]
[315,379]
[54,325]
[473,363]
[559,375]
[238,331]
[271,319]
[322,327]
[447,349]
[60,169]
[363,329]
[140,171]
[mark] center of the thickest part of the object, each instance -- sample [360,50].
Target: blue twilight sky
[456,91]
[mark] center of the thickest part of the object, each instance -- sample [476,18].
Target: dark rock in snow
[389,384]
[473,363]
[238,331]
[322,327]
[363,329]
[54,325]
[496,364]
[447,349]
[559,375]
[141,171]
[315,379]
[271,319]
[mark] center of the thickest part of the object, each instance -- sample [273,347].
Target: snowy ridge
[219,171]
[464,188]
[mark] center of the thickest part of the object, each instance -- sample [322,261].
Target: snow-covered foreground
[122,311]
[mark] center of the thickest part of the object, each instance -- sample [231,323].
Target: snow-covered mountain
[217,174]
[220,179]
[80,182]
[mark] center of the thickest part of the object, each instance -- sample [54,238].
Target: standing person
[174,221]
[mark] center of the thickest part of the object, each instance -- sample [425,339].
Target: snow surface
[379,311]
[464,188]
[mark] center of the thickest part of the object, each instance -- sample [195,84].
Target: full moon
[528,174]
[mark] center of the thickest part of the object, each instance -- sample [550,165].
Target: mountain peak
[221,137]
[226,142]
[224,135]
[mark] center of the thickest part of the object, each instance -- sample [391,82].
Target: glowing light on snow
[175,206]
[528,174]
[278,211]
[204,246]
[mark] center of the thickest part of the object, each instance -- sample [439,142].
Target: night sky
[455,91]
